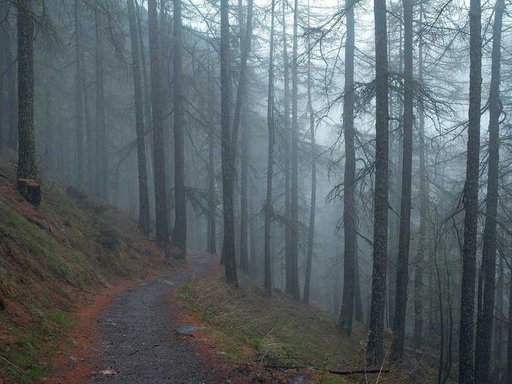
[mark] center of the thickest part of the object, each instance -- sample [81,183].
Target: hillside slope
[49,257]
[279,340]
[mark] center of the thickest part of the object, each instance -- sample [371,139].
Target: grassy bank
[49,256]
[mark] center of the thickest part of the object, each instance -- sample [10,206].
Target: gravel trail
[138,340]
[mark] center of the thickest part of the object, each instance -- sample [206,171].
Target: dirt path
[139,344]
[134,339]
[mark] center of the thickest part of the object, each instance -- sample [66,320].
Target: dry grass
[279,331]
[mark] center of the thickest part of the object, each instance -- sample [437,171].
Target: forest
[353,156]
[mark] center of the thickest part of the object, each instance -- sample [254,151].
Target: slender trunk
[509,329]
[349,218]
[4,132]
[241,96]
[212,199]
[244,208]
[498,339]
[402,271]
[12,106]
[79,98]
[162,230]
[420,256]
[270,158]
[286,153]
[228,249]
[144,224]
[357,289]
[101,145]
[179,235]
[470,200]
[485,316]
[311,233]
[375,348]
[27,167]
[294,209]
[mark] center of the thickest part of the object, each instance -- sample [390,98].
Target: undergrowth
[48,256]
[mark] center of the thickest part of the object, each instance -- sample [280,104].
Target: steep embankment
[278,339]
[50,257]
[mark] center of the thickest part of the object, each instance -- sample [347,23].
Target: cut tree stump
[30,189]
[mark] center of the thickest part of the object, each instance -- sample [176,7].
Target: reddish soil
[74,362]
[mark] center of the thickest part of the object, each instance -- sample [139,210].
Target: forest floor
[85,298]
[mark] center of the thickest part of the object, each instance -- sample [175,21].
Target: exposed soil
[129,337]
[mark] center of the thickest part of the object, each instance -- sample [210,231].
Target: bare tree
[270,158]
[179,235]
[470,200]
[162,230]
[402,270]
[349,211]
[375,348]
[228,248]
[486,286]
[144,224]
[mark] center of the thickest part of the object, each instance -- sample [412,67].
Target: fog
[323,149]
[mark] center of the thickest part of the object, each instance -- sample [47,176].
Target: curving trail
[138,344]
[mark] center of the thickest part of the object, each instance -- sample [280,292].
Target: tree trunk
[228,249]
[420,256]
[212,199]
[144,224]
[79,98]
[270,158]
[162,230]
[485,316]
[509,329]
[498,340]
[241,96]
[311,232]
[402,271]
[27,167]
[4,132]
[470,201]
[375,348]
[179,235]
[286,153]
[101,144]
[11,99]
[294,209]
[349,212]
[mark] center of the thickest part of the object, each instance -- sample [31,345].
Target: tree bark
[162,230]
[375,348]
[241,97]
[27,166]
[212,199]
[470,201]
[79,98]
[420,256]
[144,224]
[294,209]
[402,271]
[179,235]
[311,231]
[270,158]
[509,329]
[286,152]
[349,212]
[228,249]
[485,315]
[101,144]
[11,97]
